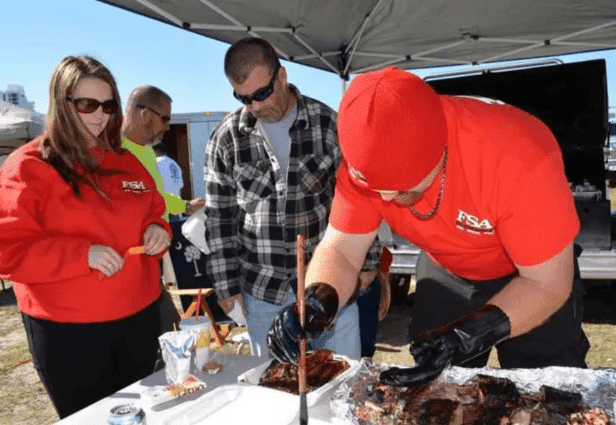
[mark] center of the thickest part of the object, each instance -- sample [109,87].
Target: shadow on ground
[393,328]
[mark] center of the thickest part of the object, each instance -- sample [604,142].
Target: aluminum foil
[177,351]
[596,385]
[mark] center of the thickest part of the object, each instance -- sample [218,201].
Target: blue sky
[36,34]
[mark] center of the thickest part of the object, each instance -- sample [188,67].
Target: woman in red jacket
[72,204]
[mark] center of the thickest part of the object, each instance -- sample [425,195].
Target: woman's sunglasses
[85,105]
[261,94]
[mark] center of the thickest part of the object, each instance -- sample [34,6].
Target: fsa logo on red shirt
[134,186]
[473,224]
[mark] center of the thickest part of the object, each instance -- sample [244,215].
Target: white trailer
[186,141]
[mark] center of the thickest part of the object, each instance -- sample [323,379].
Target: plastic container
[203,324]
[238,404]
[253,376]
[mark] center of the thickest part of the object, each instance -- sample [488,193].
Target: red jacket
[46,231]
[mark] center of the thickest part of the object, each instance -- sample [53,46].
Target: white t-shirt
[171,173]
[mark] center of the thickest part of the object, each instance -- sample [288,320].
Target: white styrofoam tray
[253,376]
[237,404]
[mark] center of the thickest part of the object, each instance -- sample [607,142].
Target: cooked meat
[484,400]
[321,368]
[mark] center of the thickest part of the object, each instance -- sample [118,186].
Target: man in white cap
[480,187]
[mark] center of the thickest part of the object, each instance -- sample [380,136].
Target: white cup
[202,324]
[201,353]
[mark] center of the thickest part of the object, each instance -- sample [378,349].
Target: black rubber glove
[452,344]
[286,331]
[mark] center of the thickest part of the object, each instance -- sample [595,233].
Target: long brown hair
[65,146]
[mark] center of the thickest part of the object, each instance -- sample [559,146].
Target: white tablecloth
[233,366]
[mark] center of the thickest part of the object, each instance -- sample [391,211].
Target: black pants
[80,364]
[441,297]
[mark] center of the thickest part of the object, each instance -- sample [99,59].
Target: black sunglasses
[261,94]
[164,118]
[85,105]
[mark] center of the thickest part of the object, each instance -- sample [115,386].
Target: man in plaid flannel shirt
[269,176]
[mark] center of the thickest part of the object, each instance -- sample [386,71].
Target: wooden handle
[199,301]
[301,308]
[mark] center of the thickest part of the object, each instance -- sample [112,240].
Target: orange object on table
[136,250]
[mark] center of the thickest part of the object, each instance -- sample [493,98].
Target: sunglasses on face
[85,105]
[261,94]
[164,118]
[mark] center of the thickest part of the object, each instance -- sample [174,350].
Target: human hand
[104,259]
[286,330]
[155,239]
[455,343]
[227,304]
[194,205]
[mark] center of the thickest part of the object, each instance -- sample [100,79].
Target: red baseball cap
[391,128]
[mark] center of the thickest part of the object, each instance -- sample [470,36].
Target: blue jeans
[368,304]
[342,339]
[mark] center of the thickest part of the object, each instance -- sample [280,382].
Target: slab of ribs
[321,368]
[485,400]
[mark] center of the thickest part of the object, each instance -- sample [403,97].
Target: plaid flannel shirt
[254,212]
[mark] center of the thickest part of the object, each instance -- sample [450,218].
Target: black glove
[286,330]
[452,344]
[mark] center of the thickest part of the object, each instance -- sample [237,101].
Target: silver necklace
[440,194]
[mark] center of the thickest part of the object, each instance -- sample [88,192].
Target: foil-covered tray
[597,386]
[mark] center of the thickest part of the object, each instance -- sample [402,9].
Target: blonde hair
[64,144]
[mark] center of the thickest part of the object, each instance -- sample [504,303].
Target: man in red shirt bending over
[480,187]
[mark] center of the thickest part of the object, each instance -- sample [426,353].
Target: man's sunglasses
[85,105]
[164,118]
[261,94]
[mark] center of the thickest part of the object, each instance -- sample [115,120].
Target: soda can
[127,414]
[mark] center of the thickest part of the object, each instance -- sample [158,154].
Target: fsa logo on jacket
[357,176]
[134,186]
[473,224]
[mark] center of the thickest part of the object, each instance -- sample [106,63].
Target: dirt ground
[23,400]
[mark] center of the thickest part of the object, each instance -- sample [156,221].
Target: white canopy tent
[17,126]
[352,36]
[348,37]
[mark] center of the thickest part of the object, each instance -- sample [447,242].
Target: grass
[603,345]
